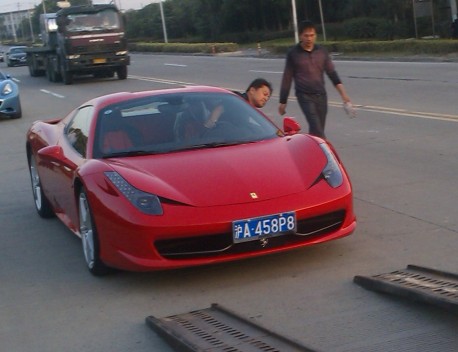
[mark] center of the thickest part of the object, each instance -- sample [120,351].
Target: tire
[67,77]
[89,238]
[42,204]
[50,73]
[31,63]
[122,72]
[32,71]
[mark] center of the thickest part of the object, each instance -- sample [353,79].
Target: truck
[80,40]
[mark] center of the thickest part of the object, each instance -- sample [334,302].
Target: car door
[73,144]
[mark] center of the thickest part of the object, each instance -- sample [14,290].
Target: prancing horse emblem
[264,242]
[254,195]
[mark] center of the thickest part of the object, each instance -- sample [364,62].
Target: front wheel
[122,72]
[89,238]
[33,72]
[67,76]
[42,204]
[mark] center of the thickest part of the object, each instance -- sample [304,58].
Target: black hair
[260,82]
[303,25]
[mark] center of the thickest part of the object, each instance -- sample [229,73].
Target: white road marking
[175,65]
[379,109]
[258,71]
[52,93]
[401,112]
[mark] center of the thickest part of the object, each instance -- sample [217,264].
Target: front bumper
[10,106]
[88,63]
[188,236]
[18,61]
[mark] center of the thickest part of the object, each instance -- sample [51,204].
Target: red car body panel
[202,192]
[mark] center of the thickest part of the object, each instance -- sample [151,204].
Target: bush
[362,28]
[394,47]
[187,48]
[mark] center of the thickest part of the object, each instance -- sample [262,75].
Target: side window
[77,130]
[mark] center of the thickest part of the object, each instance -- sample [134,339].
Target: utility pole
[453,9]
[13,27]
[296,34]
[31,28]
[322,20]
[163,22]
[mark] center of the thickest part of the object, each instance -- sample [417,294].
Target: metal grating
[417,283]
[217,329]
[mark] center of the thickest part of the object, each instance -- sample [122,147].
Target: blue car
[10,104]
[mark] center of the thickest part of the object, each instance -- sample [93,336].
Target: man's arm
[341,89]
[286,84]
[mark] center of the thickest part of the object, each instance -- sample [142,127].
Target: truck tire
[33,72]
[67,77]
[122,72]
[48,72]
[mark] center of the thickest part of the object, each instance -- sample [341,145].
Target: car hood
[228,175]
[18,55]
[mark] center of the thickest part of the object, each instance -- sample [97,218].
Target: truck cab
[81,40]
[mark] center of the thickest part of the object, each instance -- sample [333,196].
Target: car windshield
[103,20]
[17,50]
[179,121]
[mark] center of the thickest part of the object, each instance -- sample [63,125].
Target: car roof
[17,47]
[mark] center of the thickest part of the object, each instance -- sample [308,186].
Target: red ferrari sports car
[181,177]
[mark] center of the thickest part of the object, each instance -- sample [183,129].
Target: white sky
[14,5]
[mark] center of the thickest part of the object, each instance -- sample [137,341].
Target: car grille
[212,246]
[98,48]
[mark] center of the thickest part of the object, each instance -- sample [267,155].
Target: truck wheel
[67,77]
[122,72]
[33,72]
[50,73]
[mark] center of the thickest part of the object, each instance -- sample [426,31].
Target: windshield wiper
[130,153]
[213,145]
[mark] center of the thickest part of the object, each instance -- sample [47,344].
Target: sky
[14,5]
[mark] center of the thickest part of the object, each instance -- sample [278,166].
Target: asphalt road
[400,152]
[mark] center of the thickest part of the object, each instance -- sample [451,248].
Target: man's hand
[349,109]
[282,109]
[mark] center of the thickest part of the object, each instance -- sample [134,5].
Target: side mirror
[291,126]
[55,154]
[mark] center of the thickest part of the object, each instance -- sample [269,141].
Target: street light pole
[31,27]
[163,22]
[322,20]
[296,34]
[453,9]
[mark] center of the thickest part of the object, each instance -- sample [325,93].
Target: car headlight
[7,89]
[145,202]
[331,172]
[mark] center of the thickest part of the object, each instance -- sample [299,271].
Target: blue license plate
[265,226]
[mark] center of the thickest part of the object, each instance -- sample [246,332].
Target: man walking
[306,64]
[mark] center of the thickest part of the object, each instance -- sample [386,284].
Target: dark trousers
[315,109]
